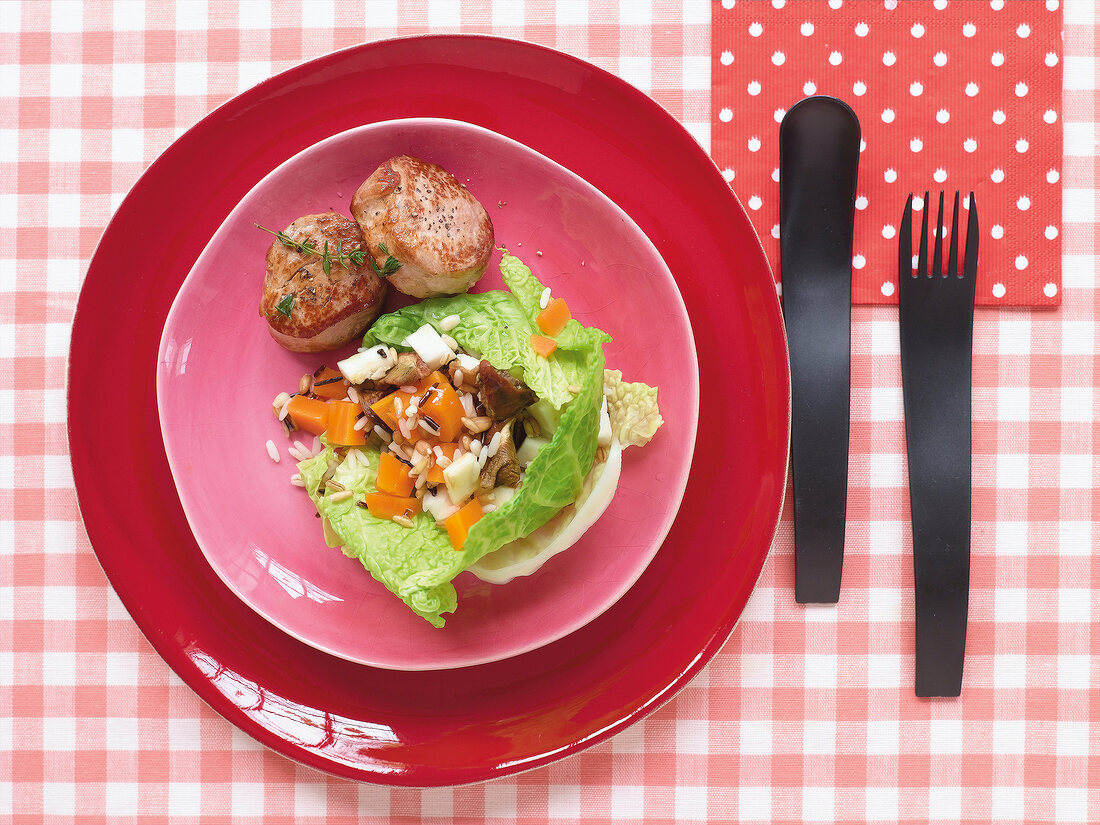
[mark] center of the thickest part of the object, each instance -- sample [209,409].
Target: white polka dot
[971,89]
[1050,116]
[918,203]
[996,5]
[969,30]
[778,115]
[889,231]
[1023,203]
[940,59]
[754,144]
[916,144]
[940,5]
[1051,232]
[835,58]
[726,115]
[997,232]
[917,30]
[913,265]
[775,231]
[997,175]
[1021,262]
[727,57]
[775,174]
[999,290]
[862,29]
[1021,89]
[728,4]
[887,115]
[754,88]
[810,88]
[1023,30]
[779,58]
[889,58]
[890,175]
[1051,59]
[755,29]
[858,262]
[755,203]
[807,29]
[940,175]
[997,59]
[943,116]
[835,4]
[862,145]
[970,145]
[890,4]
[728,174]
[859,88]
[1052,5]
[887,288]
[1052,176]
[1050,290]
[861,202]
[779,3]
[998,117]
[1021,145]
[916,88]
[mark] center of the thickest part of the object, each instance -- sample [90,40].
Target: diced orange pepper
[553,319]
[330,383]
[458,525]
[393,476]
[385,506]
[435,472]
[309,414]
[543,346]
[442,405]
[341,424]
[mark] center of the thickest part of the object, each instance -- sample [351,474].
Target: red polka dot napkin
[949,94]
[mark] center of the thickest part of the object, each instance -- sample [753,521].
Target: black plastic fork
[936,317]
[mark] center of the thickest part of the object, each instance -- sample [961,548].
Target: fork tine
[937,256]
[922,253]
[953,255]
[905,244]
[970,260]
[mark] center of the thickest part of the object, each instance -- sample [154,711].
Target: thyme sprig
[339,255]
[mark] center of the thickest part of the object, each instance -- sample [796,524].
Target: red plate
[474,723]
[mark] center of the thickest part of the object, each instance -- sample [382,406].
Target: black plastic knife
[819,141]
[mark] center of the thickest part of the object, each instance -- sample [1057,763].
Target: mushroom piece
[503,395]
[409,369]
[503,469]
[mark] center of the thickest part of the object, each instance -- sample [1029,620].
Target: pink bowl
[218,371]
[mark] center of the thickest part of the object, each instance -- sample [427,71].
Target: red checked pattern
[949,95]
[808,713]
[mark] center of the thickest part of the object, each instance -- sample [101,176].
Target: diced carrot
[330,383]
[553,319]
[458,525]
[341,424]
[543,346]
[383,505]
[442,405]
[393,476]
[435,472]
[309,414]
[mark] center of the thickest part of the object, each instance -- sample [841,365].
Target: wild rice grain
[305,383]
[361,423]
[343,495]
[296,480]
[353,396]
[383,433]
[450,342]
[273,451]
[398,407]
[544,299]
[404,521]
[494,445]
[409,389]
[459,375]
[403,426]
[449,323]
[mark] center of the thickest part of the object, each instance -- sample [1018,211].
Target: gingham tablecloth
[807,714]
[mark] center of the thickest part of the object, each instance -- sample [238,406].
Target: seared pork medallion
[421,223]
[320,291]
